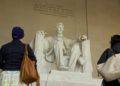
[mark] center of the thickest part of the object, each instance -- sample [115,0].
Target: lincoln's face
[60,28]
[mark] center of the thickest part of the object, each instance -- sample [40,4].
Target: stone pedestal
[63,78]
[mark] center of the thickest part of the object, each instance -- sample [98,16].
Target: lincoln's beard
[59,35]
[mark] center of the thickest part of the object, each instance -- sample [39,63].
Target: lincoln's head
[60,27]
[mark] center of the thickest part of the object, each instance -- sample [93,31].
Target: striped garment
[10,78]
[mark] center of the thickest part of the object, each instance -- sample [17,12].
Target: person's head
[60,27]
[114,40]
[17,33]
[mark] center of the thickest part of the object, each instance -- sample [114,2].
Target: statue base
[65,78]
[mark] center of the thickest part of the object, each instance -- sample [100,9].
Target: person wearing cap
[11,56]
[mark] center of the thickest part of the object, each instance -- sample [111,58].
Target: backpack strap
[113,53]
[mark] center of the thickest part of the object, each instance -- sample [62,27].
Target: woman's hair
[115,39]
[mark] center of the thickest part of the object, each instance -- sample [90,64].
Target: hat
[17,33]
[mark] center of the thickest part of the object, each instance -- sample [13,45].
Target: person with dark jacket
[11,56]
[115,46]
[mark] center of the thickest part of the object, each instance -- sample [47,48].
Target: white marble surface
[65,78]
[61,53]
[62,61]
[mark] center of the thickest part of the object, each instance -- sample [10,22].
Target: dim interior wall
[34,15]
[103,20]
